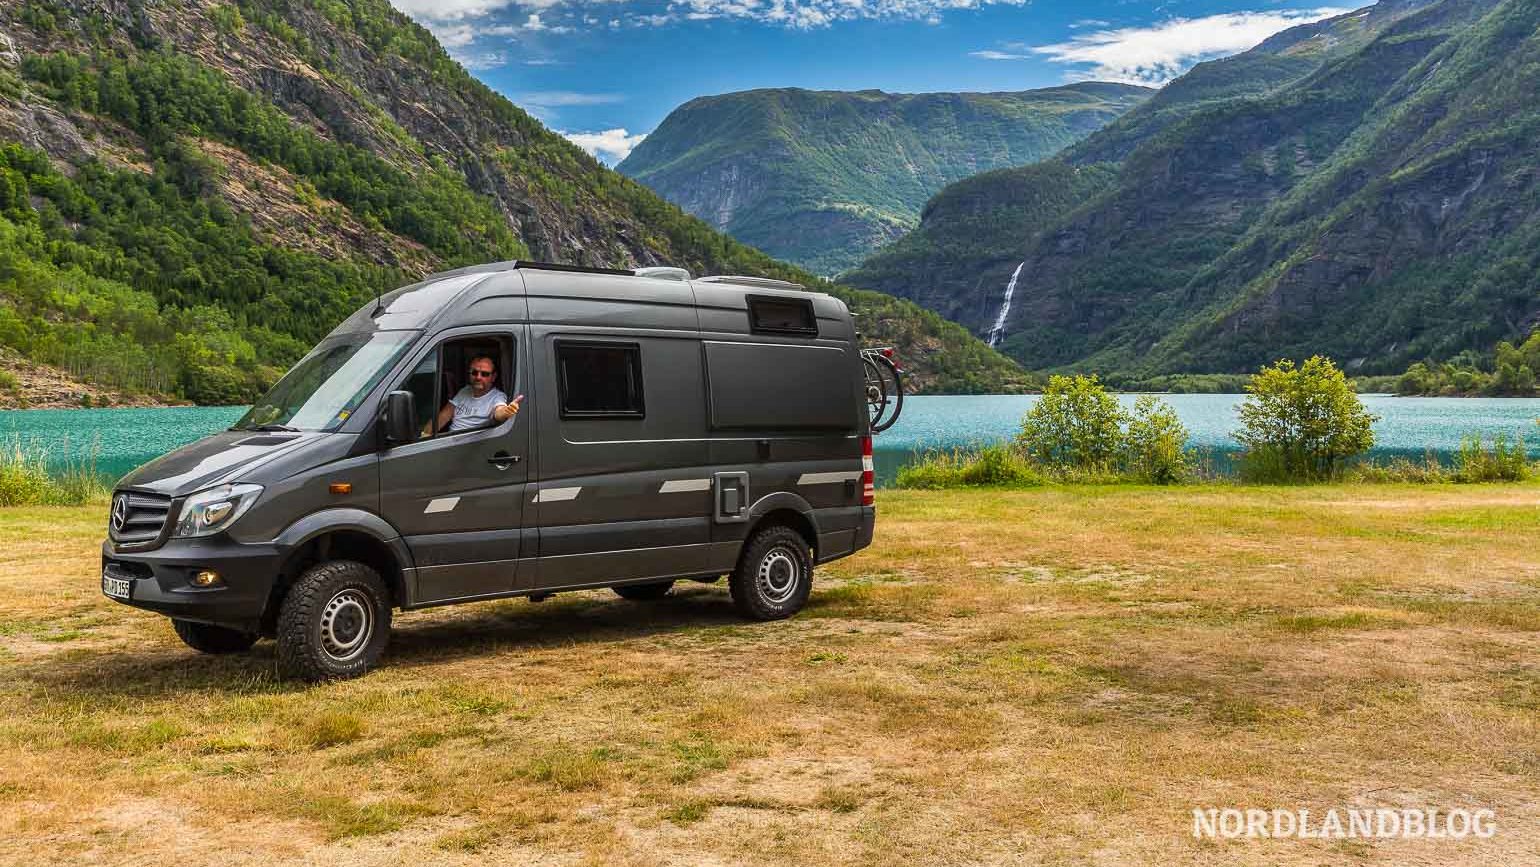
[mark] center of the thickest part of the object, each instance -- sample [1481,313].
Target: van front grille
[137,518]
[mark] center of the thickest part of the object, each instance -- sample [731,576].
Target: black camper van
[668,428]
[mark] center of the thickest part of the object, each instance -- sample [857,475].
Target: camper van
[667,429]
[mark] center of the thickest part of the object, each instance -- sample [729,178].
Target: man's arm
[504,411]
[445,415]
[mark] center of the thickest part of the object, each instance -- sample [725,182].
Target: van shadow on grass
[418,639]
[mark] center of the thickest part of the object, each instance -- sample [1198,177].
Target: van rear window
[600,380]
[781,386]
[782,316]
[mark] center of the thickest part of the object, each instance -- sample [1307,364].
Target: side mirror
[400,418]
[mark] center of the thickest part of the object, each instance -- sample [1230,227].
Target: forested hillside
[1380,206]
[193,192]
[821,178]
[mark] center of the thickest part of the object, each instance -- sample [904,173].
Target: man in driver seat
[479,403]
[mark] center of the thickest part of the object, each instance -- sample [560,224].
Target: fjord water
[125,438]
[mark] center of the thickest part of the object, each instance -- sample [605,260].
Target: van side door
[457,497]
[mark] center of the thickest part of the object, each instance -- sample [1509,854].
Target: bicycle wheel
[893,388]
[876,390]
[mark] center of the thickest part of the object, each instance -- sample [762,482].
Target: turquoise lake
[125,438]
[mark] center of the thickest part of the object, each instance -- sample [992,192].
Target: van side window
[782,316]
[444,374]
[600,380]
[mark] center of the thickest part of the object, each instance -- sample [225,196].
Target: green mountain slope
[1381,208]
[192,193]
[821,178]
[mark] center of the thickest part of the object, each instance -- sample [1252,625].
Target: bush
[1301,423]
[1075,424]
[997,464]
[26,481]
[1400,469]
[1155,446]
[1502,463]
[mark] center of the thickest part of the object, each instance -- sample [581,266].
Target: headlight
[208,512]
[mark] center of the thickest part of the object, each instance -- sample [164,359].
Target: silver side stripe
[827,478]
[556,495]
[680,486]
[442,504]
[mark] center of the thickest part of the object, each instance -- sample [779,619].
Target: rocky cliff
[821,178]
[1381,208]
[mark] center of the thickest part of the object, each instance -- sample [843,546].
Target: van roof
[656,273]
[447,293]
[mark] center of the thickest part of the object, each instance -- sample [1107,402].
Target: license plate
[117,588]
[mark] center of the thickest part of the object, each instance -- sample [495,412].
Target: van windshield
[326,386]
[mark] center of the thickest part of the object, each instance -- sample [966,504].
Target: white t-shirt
[472,411]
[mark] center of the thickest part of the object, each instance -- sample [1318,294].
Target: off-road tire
[207,638]
[774,574]
[324,612]
[644,592]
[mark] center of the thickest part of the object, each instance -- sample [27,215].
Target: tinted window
[600,379]
[782,316]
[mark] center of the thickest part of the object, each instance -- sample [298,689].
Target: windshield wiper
[268,428]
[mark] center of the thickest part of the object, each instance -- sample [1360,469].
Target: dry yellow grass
[1056,676]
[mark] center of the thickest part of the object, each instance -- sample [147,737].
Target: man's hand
[504,411]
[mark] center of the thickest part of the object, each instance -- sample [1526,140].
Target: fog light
[206,578]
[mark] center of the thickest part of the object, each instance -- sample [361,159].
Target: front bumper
[161,580]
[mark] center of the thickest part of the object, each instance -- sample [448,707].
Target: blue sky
[606,72]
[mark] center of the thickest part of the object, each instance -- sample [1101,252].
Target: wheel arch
[786,509]
[340,534]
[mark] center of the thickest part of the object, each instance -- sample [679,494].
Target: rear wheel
[334,622]
[207,638]
[774,574]
[643,592]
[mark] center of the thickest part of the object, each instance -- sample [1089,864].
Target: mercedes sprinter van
[667,428]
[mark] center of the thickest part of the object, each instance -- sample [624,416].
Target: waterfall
[998,331]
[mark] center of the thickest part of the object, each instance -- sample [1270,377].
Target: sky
[604,73]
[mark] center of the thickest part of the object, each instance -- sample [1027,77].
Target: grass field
[1054,676]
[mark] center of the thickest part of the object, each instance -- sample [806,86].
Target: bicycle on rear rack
[884,386]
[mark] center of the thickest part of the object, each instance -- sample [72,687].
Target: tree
[1076,423]
[1302,422]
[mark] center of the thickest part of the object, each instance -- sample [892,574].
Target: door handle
[503,460]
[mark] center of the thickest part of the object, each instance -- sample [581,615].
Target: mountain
[821,178]
[192,193]
[1381,207]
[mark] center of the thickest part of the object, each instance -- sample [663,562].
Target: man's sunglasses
[482,373]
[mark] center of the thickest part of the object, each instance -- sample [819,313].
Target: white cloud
[449,10]
[1156,54]
[614,143]
[815,14]
[478,60]
[564,98]
[991,54]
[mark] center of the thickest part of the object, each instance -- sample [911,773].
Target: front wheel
[774,574]
[207,638]
[334,622]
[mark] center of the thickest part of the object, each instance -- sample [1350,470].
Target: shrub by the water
[1075,433]
[1154,447]
[1301,423]
[997,464]
[1076,424]
[26,481]
[1503,462]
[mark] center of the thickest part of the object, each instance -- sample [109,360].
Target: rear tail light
[868,477]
